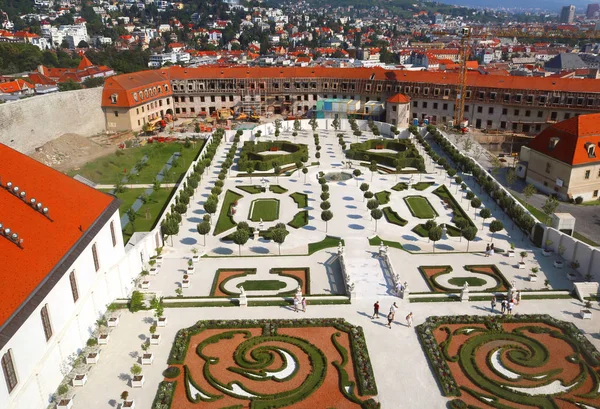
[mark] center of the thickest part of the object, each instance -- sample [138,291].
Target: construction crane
[461,86]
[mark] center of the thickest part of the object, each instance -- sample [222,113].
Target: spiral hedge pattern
[506,362]
[265,364]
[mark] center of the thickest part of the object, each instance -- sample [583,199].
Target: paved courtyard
[401,368]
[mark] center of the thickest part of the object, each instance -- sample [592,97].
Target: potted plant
[159,310]
[560,263]
[586,313]
[154,337]
[153,267]
[523,255]
[196,256]
[191,268]
[533,275]
[80,380]
[572,275]
[62,401]
[159,256]
[185,283]
[145,285]
[179,292]
[511,252]
[547,284]
[547,250]
[137,380]
[147,357]
[127,403]
[92,357]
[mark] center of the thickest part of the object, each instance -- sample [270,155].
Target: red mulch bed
[300,274]
[328,395]
[224,275]
[558,351]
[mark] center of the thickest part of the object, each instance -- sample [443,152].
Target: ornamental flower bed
[524,361]
[321,363]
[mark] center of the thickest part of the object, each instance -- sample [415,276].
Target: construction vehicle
[461,87]
[254,117]
[241,117]
[154,126]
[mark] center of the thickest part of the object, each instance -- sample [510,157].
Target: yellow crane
[461,86]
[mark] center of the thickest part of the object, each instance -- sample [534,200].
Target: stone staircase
[364,268]
[585,289]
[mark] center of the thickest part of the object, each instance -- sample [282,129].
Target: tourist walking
[296,303]
[409,319]
[518,297]
[487,250]
[393,308]
[375,310]
[493,303]
[390,318]
[511,304]
[304,304]
[492,249]
[503,305]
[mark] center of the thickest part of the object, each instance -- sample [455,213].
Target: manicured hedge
[457,211]
[300,219]
[301,199]
[392,217]
[251,154]
[407,154]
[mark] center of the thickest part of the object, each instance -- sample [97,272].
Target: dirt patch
[70,151]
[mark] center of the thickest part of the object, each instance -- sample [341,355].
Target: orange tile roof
[14,86]
[84,63]
[399,99]
[574,133]
[126,84]
[71,204]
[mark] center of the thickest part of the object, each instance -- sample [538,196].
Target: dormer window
[591,149]
[166,88]
[113,98]
[141,94]
[553,142]
[135,97]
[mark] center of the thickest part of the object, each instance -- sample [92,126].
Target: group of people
[507,305]
[391,315]
[489,250]
[298,303]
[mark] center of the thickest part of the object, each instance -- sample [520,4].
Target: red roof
[399,99]
[46,241]
[84,63]
[14,86]
[574,136]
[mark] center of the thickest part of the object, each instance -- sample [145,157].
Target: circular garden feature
[262,156]
[442,278]
[266,210]
[260,364]
[522,361]
[393,153]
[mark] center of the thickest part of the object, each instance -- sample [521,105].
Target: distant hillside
[547,5]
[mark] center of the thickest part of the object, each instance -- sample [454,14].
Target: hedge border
[412,211]
[389,214]
[303,214]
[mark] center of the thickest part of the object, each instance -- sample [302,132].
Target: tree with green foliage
[69,85]
[131,215]
[364,187]
[277,127]
[528,191]
[372,204]
[203,228]
[376,214]
[356,173]
[549,207]
[495,226]
[485,214]
[277,171]
[469,233]
[325,205]
[240,237]
[305,171]
[250,170]
[93,82]
[476,204]
[373,169]
[210,206]
[297,125]
[435,234]
[336,124]
[511,177]
[169,227]
[279,234]
[326,215]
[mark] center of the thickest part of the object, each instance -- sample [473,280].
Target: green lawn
[383,197]
[127,198]
[420,207]
[262,285]
[265,209]
[400,187]
[225,221]
[148,214]
[251,189]
[457,211]
[111,168]
[422,185]
[301,199]
[327,242]
[392,217]
[299,220]
[472,281]
[376,241]
[277,189]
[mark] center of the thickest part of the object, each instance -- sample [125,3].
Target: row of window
[8,367]
[153,105]
[149,92]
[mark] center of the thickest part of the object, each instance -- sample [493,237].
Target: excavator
[253,117]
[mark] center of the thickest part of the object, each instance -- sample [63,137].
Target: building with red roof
[565,158]
[60,241]
[86,69]
[16,87]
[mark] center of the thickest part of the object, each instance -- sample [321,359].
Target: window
[548,167]
[518,97]
[446,92]
[567,115]
[569,100]
[595,194]
[481,95]
[435,105]
[504,111]
[492,96]
[503,124]
[426,91]
[591,149]
[479,110]
[394,108]
[553,116]
[9,370]
[468,94]
[222,98]
[95,256]
[528,113]
[114,98]
[191,99]
[506,97]
[489,123]
[445,107]
[73,282]
[587,174]
[491,111]
[540,114]
[112,233]
[415,104]
[116,114]
[516,112]
[424,104]
[46,322]
[466,108]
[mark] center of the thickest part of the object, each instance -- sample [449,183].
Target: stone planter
[159,259]
[65,404]
[521,265]
[547,253]
[129,404]
[113,322]
[92,358]
[155,339]
[533,277]
[103,339]
[153,271]
[586,314]
[80,380]
[572,276]
[145,285]
[185,284]
[162,322]
[137,381]
[191,269]
[559,263]
[510,253]
[196,258]
[147,358]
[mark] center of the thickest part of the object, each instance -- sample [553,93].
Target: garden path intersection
[401,364]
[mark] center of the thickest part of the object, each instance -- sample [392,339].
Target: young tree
[336,124]
[476,204]
[356,173]
[496,165]
[485,214]
[203,228]
[373,169]
[277,171]
[364,187]
[469,233]
[529,191]
[210,206]
[131,215]
[279,234]
[250,170]
[549,207]
[155,185]
[326,215]
[305,171]
[376,214]
[368,195]
[170,227]
[511,177]
[467,144]
[297,125]
[325,205]
[240,237]
[277,127]
[372,204]
[313,124]
[435,234]
[495,226]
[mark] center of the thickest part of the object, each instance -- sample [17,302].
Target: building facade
[567,14]
[565,159]
[516,104]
